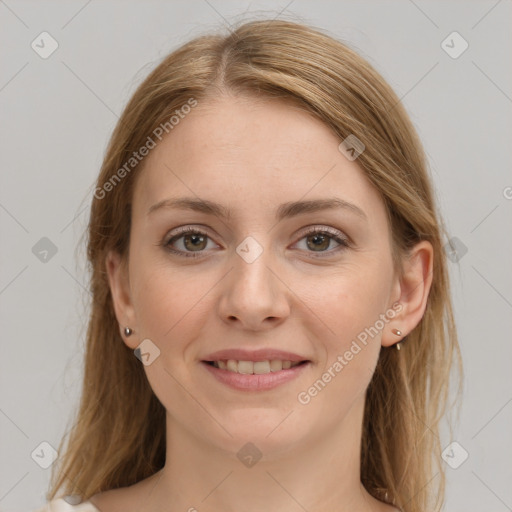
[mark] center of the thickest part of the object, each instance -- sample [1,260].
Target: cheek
[353,307]
[353,299]
[351,351]
[168,302]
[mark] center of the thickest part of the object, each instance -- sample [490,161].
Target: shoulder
[67,504]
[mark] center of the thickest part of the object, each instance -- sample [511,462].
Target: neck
[322,473]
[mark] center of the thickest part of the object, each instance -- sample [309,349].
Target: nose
[253,296]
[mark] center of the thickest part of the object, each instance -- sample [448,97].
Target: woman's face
[258,279]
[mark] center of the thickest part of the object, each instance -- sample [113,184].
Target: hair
[409,391]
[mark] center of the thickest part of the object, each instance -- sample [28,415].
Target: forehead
[251,155]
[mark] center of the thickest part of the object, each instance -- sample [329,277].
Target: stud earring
[128,331]
[397,332]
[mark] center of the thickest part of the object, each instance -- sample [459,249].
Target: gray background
[57,114]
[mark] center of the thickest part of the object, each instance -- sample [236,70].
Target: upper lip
[264,354]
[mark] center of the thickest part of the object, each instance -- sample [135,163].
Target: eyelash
[332,234]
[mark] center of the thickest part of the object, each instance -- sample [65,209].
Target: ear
[117,273]
[411,292]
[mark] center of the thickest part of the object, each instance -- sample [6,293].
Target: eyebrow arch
[285,210]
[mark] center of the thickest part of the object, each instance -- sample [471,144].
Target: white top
[61,505]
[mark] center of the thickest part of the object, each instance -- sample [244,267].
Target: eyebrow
[285,210]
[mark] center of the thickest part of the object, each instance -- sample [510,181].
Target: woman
[271,325]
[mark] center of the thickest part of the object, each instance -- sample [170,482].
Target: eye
[194,241]
[321,237]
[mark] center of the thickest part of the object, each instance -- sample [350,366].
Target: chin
[272,432]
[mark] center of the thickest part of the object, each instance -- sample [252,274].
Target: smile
[255,375]
[255,367]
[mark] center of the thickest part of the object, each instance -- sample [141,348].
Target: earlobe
[120,291]
[413,288]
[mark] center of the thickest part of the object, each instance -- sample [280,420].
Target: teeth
[245,367]
[276,365]
[260,367]
[255,367]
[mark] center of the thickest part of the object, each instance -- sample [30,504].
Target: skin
[251,156]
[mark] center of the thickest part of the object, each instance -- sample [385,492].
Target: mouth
[254,367]
[264,375]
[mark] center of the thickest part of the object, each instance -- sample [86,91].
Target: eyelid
[321,228]
[189,228]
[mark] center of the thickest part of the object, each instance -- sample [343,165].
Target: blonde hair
[118,438]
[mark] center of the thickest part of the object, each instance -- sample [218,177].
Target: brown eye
[188,242]
[193,242]
[318,241]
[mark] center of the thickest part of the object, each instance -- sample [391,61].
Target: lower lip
[253,382]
